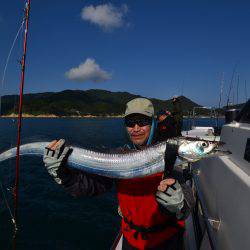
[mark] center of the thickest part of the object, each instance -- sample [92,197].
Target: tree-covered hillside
[79,103]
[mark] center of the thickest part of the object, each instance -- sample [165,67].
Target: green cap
[140,106]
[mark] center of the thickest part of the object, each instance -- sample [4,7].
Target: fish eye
[204,144]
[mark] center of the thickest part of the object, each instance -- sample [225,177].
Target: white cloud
[106,16]
[88,71]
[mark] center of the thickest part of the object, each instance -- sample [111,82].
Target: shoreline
[87,116]
[56,116]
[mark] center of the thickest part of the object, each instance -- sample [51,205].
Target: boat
[220,219]
[209,133]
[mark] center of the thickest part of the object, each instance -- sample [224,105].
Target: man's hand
[55,155]
[170,195]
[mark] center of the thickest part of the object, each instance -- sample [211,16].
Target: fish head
[195,150]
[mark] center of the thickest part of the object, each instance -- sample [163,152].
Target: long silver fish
[137,163]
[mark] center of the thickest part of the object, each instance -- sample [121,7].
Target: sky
[152,48]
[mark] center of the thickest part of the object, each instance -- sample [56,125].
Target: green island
[88,103]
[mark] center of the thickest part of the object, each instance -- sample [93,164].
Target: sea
[48,217]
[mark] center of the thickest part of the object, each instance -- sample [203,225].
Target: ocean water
[49,218]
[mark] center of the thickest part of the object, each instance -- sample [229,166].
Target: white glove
[172,199]
[55,154]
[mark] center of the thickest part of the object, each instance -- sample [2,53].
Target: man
[152,209]
[177,114]
[165,125]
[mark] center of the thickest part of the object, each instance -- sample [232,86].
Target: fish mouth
[221,152]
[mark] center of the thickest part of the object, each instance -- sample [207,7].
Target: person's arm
[174,195]
[75,182]
[189,200]
[79,183]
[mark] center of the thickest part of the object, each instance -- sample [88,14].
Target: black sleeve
[189,200]
[177,173]
[170,158]
[79,183]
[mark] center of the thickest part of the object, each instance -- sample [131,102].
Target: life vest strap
[153,229]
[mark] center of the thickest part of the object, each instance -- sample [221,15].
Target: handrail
[212,114]
[210,230]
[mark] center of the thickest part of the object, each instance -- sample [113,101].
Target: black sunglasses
[141,122]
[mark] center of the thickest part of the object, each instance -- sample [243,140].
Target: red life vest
[144,225]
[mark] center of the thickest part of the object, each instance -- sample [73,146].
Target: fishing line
[16,186]
[7,61]
[13,121]
[7,205]
[8,208]
[2,87]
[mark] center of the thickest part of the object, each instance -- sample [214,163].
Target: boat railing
[209,223]
[212,112]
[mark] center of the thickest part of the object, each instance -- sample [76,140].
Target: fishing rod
[221,88]
[220,99]
[23,63]
[237,89]
[231,85]
[246,90]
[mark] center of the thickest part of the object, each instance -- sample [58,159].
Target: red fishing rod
[27,10]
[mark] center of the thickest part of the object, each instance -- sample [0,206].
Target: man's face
[138,127]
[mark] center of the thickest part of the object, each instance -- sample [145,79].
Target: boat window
[244,115]
[247,151]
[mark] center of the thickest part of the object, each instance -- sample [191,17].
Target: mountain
[79,103]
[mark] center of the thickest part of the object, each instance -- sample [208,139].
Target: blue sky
[152,48]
